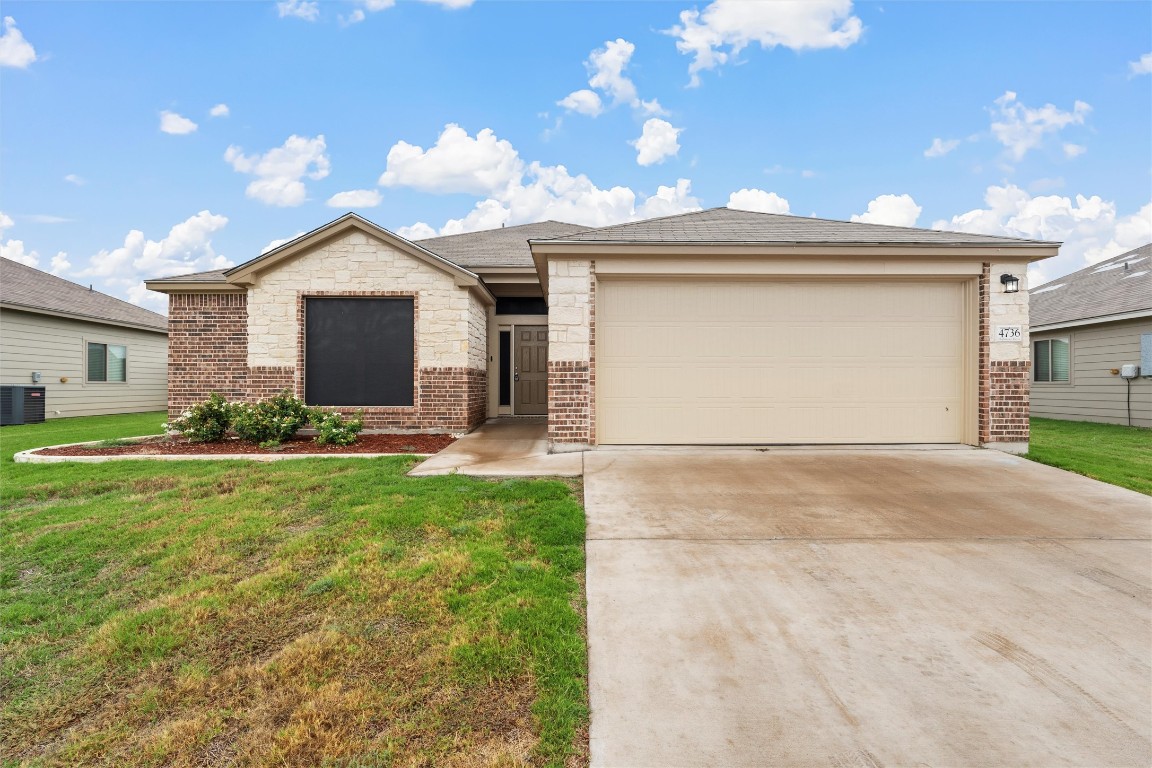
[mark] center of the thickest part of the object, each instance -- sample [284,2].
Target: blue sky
[152,138]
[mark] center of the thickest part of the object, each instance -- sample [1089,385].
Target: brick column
[207,348]
[1005,366]
[571,367]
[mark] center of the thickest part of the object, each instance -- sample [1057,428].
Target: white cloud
[72,178]
[15,51]
[584,101]
[736,24]
[1021,128]
[758,200]
[941,147]
[517,193]
[1142,65]
[14,251]
[220,110]
[5,222]
[355,17]
[46,218]
[894,210]
[1090,227]
[308,10]
[277,243]
[280,171]
[484,165]
[355,198]
[1074,150]
[657,142]
[170,122]
[451,4]
[60,264]
[669,201]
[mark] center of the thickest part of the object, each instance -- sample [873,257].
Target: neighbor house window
[1050,360]
[107,362]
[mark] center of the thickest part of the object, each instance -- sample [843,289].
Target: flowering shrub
[204,422]
[269,422]
[331,427]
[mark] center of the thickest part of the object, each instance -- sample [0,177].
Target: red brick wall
[569,396]
[1004,385]
[207,348]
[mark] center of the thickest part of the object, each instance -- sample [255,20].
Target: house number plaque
[1007,333]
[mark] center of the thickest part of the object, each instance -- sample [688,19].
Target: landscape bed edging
[31,457]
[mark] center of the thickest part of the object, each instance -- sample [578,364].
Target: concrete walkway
[515,447]
[865,608]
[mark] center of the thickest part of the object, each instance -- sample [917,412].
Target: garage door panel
[779,362]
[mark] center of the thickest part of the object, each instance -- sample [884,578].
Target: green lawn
[297,613]
[1115,454]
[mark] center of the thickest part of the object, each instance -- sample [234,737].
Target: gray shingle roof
[728,225]
[1101,290]
[211,276]
[23,286]
[505,247]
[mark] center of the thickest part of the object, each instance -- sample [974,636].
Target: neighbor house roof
[728,226]
[29,289]
[504,247]
[1110,290]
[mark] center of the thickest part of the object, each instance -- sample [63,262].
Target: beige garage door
[757,361]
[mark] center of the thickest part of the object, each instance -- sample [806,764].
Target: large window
[1050,360]
[359,351]
[107,362]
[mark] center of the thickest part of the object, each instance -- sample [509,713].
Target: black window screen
[358,351]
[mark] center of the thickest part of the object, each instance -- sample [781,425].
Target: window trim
[1036,370]
[106,344]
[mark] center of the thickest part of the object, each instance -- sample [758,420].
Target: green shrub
[332,428]
[270,422]
[204,422]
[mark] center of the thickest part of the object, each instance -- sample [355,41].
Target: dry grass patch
[308,613]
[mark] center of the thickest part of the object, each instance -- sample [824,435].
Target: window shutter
[117,362]
[1042,365]
[97,363]
[1059,360]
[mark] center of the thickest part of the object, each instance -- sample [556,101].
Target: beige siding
[1093,393]
[56,347]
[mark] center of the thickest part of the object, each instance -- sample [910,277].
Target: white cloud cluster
[1090,227]
[1142,66]
[941,147]
[16,251]
[308,10]
[1022,129]
[220,110]
[277,243]
[758,200]
[606,74]
[187,248]
[280,171]
[176,124]
[658,141]
[456,163]
[15,51]
[735,24]
[516,192]
[893,210]
[355,198]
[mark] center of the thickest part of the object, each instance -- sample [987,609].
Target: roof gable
[1121,285]
[26,288]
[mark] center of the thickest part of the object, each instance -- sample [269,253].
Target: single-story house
[714,327]
[94,354]
[1086,327]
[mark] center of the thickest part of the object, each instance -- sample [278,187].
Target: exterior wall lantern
[1011,283]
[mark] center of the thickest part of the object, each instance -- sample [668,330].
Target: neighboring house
[93,353]
[1085,327]
[714,327]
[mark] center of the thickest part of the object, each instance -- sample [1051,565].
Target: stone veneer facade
[249,346]
[1004,367]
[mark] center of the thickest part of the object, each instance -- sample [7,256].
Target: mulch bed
[161,446]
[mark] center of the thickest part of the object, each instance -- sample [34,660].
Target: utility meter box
[1129,371]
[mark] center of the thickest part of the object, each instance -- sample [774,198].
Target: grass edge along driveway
[1111,453]
[307,612]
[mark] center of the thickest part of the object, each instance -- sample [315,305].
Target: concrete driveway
[865,608]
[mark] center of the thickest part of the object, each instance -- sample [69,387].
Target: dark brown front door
[530,371]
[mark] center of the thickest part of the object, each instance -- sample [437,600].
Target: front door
[530,370]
